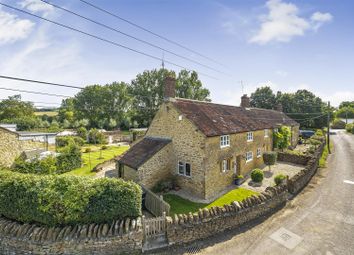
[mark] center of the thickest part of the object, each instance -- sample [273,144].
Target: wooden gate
[155,203]
[154,227]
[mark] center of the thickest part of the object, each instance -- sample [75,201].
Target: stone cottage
[204,144]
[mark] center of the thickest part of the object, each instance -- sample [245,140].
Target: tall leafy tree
[189,86]
[263,98]
[14,108]
[102,105]
[147,91]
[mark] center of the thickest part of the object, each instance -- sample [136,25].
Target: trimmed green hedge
[66,200]
[257,175]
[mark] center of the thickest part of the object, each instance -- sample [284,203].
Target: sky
[285,44]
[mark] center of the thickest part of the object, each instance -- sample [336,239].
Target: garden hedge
[66,200]
[62,141]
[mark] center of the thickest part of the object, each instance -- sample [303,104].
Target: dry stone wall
[124,236]
[208,222]
[293,158]
[300,180]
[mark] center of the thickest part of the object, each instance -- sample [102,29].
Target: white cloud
[281,73]
[13,28]
[36,6]
[283,22]
[319,18]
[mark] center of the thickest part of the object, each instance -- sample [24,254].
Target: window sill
[249,141]
[226,146]
[247,161]
[182,175]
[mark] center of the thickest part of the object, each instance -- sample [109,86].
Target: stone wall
[300,180]
[158,167]
[208,222]
[293,158]
[188,145]
[120,237]
[104,164]
[11,147]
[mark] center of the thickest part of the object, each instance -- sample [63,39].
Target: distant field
[52,113]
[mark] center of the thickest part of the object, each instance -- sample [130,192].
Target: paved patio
[279,168]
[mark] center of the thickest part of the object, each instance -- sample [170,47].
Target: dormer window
[224,141]
[249,136]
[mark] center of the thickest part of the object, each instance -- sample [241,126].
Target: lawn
[180,205]
[96,156]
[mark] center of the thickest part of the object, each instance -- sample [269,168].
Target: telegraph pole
[328,118]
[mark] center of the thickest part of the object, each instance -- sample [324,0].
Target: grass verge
[180,205]
[323,160]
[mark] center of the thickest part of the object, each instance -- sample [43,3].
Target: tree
[269,158]
[349,104]
[147,91]
[14,108]
[189,86]
[263,98]
[99,104]
[345,112]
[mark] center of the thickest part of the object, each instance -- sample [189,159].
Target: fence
[155,203]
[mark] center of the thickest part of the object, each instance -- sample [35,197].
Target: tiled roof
[216,119]
[143,151]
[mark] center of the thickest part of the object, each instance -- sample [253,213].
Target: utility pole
[328,118]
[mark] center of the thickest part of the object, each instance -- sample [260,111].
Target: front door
[237,165]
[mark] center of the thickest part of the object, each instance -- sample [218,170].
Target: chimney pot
[245,101]
[170,88]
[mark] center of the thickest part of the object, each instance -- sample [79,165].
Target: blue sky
[285,44]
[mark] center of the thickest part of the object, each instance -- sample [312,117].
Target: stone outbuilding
[205,145]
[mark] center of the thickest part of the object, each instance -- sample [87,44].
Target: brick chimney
[245,101]
[170,88]
[279,107]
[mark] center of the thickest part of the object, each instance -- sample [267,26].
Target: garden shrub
[338,124]
[69,158]
[82,132]
[269,158]
[62,141]
[35,166]
[55,200]
[350,128]
[279,179]
[257,175]
[281,139]
[96,137]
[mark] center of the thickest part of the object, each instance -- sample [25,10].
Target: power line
[40,82]
[34,102]
[103,39]
[35,92]
[130,36]
[149,31]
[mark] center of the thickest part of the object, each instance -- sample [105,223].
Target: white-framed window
[184,169]
[266,132]
[226,165]
[249,136]
[224,141]
[259,152]
[249,156]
